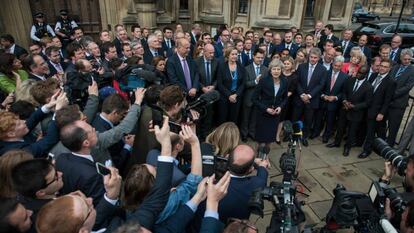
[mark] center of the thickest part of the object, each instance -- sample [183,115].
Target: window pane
[243,6]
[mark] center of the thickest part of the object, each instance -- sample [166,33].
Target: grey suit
[248,124]
[106,139]
[404,83]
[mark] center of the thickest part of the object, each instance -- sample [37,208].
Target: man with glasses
[37,182]
[395,48]
[219,47]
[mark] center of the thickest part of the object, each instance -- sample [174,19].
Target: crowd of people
[71,103]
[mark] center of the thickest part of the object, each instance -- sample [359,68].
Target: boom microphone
[205,99]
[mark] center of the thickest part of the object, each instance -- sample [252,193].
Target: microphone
[297,128]
[205,99]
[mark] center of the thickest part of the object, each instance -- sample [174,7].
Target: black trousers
[374,127]
[228,111]
[343,125]
[319,121]
[248,122]
[331,117]
[206,123]
[395,116]
[308,113]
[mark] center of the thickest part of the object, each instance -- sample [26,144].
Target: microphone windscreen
[210,97]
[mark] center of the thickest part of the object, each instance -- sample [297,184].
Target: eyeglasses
[245,223]
[56,178]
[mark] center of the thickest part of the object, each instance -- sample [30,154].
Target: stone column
[17,20]
[147,13]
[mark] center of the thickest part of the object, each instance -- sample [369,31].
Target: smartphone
[102,169]
[220,167]
[174,127]
[157,118]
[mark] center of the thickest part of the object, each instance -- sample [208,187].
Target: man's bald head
[241,160]
[208,51]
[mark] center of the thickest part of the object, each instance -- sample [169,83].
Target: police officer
[64,28]
[40,29]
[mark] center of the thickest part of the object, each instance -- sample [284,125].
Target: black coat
[264,94]
[361,99]
[201,66]
[382,97]
[405,83]
[336,90]
[224,80]
[175,72]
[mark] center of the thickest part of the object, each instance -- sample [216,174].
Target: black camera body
[384,150]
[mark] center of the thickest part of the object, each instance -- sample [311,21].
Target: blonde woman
[301,57]
[224,138]
[357,60]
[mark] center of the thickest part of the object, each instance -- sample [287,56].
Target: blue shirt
[233,80]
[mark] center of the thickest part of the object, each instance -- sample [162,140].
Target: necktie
[333,80]
[288,46]
[376,82]
[310,72]
[208,73]
[248,54]
[392,55]
[345,45]
[400,71]
[59,67]
[169,44]
[187,74]
[240,58]
[257,70]
[155,54]
[356,86]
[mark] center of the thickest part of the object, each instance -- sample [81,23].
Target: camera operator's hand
[129,139]
[101,70]
[201,193]
[61,101]
[8,101]
[188,135]
[139,95]
[387,209]
[192,92]
[389,171]
[93,89]
[216,192]
[112,183]
[262,162]
[194,114]
[52,102]
[163,137]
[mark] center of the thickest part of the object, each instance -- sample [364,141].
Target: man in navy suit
[328,36]
[224,38]
[328,58]
[114,108]
[311,80]
[37,67]
[288,44]
[362,42]
[331,99]
[56,65]
[346,44]
[182,70]
[267,39]
[241,57]
[395,48]
[195,33]
[168,43]
[7,41]
[249,49]
[154,49]
[383,90]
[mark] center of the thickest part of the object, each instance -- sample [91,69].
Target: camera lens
[388,153]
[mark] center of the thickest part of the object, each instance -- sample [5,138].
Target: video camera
[382,149]
[363,212]
[287,214]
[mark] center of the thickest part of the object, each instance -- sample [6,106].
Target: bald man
[207,68]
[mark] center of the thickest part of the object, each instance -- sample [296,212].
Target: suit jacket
[53,70]
[315,87]
[34,77]
[148,55]
[118,46]
[382,97]
[404,83]
[250,59]
[244,58]
[85,179]
[367,52]
[39,148]
[264,95]
[251,83]
[293,48]
[361,99]
[119,154]
[347,52]
[175,72]
[336,90]
[194,40]
[324,38]
[218,50]
[19,51]
[168,52]
[201,66]
[224,80]
[396,58]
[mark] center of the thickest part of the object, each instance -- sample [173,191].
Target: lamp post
[399,17]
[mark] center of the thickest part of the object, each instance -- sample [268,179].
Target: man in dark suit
[362,44]
[195,33]
[328,58]
[207,69]
[395,48]
[249,49]
[7,41]
[241,57]
[357,96]
[254,72]
[267,39]
[218,48]
[114,108]
[37,182]
[235,203]
[383,88]
[109,50]
[121,37]
[106,217]
[346,44]
[37,67]
[56,65]
[331,100]
[182,70]
[154,49]
[311,80]
[168,43]
[328,36]
[404,78]
[288,44]
[374,69]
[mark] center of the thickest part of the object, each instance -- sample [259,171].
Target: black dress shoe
[305,142]
[333,144]
[363,155]
[325,140]
[346,151]
[278,142]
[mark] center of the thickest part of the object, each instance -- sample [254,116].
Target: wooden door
[85,12]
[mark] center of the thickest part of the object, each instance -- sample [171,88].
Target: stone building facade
[95,15]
